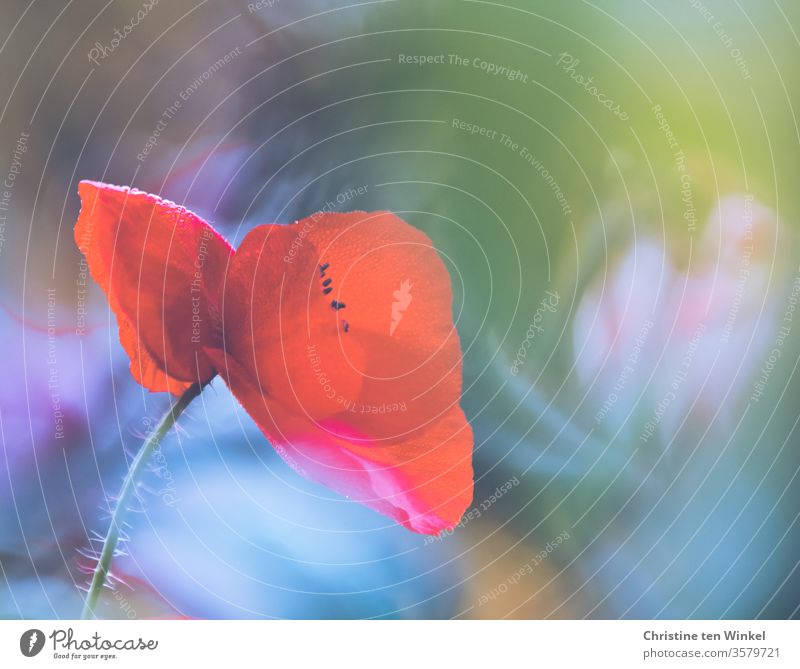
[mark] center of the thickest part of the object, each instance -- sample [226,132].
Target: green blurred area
[737,130]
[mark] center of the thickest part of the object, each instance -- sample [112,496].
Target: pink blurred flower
[658,345]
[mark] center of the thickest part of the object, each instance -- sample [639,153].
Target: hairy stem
[128,487]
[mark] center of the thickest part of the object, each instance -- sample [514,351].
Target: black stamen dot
[323,267]
[327,290]
[346,325]
[327,282]
[337,305]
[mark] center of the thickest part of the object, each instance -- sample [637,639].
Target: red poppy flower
[335,333]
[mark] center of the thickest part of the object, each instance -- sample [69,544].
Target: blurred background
[613,187]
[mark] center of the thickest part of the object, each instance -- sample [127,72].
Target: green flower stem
[128,487]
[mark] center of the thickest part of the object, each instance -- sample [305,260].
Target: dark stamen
[327,290]
[337,305]
[346,325]
[327,282]
[323,267]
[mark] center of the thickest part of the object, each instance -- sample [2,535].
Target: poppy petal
[399,310]
[279,324]
[162,268]
[340,343]
[347,312]
[423,481]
